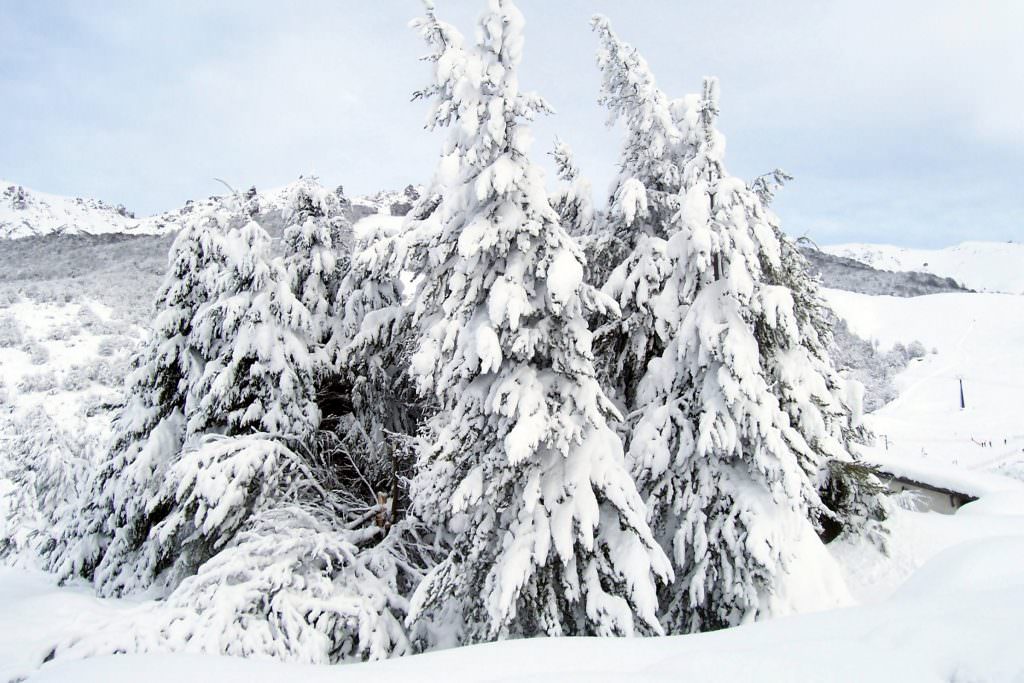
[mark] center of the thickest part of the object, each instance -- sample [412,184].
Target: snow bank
[955,618]
[943,627]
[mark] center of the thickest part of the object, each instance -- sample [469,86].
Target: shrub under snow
[292,586]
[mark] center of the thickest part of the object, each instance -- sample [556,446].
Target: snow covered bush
[44,469]
[89,320]
[291,586]
[11,333]
[38,354]
[38,382]
[112,344]
[548,534]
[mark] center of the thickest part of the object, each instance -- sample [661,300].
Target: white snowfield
[982,266]
[944,604]
[976,338]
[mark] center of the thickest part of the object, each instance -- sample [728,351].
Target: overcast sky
[903,122]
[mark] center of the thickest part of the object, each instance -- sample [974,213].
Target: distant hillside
[838,272]
[29,213]
[982,266]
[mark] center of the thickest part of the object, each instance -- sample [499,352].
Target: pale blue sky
[902,121]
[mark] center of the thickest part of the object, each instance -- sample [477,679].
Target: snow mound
[983,266]
[956,619]
[983,565]
[1007,503]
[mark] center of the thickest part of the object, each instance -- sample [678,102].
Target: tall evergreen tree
[311,258]
[629,255]
[730,479]
[100,541]
[261,375]
[822,405]
[549,535]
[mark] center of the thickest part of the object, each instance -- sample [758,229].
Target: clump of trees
[511,414]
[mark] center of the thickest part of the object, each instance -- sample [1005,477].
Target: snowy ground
[955,618]
[944,604]
[68,358]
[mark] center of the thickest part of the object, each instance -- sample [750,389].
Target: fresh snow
[982,266]
[955,618]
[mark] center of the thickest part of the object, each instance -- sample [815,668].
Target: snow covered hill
[839,272]
[29,213]
[983,266]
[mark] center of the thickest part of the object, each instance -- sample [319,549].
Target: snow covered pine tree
[102,539]
[629,247]
[573,202]
[209,498]
[549,535]
[730,478]
[313,221]
[824,406]
[258,337]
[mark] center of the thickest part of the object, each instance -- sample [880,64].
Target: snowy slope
[982,266]
[975,337]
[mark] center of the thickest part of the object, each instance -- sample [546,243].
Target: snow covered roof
[943,476]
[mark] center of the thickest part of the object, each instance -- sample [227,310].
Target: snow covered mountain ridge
[983,266]
[26,212]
